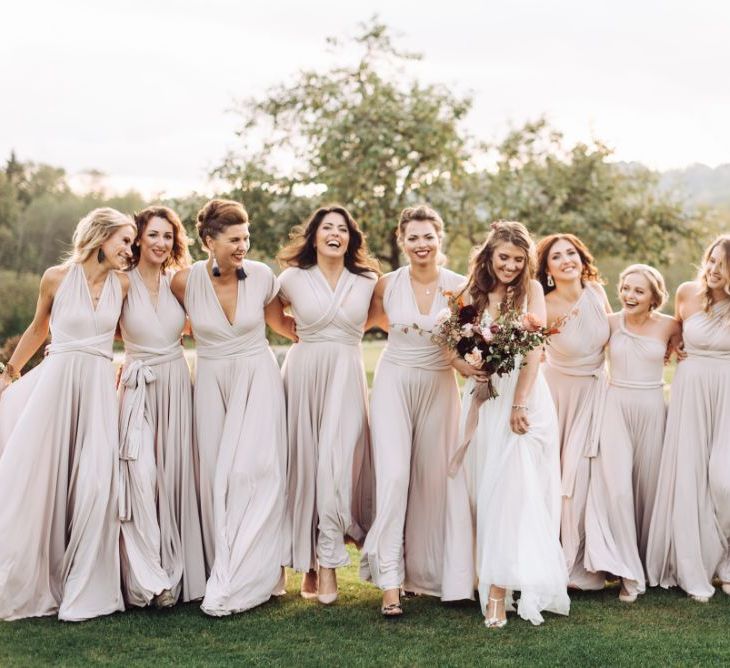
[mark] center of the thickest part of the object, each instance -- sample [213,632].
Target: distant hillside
[700,184]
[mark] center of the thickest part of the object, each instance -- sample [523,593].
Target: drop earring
[100,257]
[215,269]
[240,273]
[550,282]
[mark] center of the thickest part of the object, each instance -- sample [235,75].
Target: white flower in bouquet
[474,358]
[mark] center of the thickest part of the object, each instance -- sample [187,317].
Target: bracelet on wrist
[518,407]
[9,370]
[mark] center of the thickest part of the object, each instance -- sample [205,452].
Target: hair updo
[420,212]
[217,215]
[657,287]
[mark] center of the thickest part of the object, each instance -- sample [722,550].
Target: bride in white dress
[512,467]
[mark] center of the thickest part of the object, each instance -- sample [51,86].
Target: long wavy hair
[482,279]
[301,250]
[724,242]
[93,230]
[589,272]
[179,255]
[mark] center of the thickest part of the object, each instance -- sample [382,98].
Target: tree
[617,209]
[362,134]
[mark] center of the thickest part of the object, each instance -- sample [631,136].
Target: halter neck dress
[59,525]
[414,415]
[162,544]
[240,432]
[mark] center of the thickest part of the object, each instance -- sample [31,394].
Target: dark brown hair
[724,241]
[589,272]
[179,255]
[301,251]
[217,215]
[482,279]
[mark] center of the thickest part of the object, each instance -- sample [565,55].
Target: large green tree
[364,134]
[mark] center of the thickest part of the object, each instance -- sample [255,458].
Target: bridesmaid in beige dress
[414,415]
[162,545]
[328,284]
[690,524]
[575,372]
[239,411]
[59,527]
[625,470]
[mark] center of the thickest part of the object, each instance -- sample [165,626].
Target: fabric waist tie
[100,345]
[637,384]
[137,373]
[231,349]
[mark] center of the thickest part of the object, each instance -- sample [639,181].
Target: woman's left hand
[518,420]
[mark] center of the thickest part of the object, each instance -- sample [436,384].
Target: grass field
[662,628]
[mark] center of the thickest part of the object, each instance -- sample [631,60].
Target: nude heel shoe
[327,599]
[495,622]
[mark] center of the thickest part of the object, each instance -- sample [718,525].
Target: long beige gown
[59,527]
[414,416]
[624,472]
[690,525]
[162,544]
[240,431]
[513,487]
[575,372]
[329,452]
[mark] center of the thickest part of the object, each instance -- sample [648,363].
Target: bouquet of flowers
[494,348]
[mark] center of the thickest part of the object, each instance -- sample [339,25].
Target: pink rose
[531,323]
[474,358]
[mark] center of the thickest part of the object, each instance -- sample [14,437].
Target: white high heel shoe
[495,622]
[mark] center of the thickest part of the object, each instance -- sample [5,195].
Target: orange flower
[531,323]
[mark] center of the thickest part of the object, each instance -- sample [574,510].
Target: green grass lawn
[663,627]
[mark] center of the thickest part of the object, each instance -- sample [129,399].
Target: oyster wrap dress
[690,524]
[330,479]
[414,418]
[240,432]
[624,473]
[162,544]
[59,524]
[575,372]
[511,491]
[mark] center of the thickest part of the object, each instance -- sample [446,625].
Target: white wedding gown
[514,489]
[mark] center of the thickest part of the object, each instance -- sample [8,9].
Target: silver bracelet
[518,407]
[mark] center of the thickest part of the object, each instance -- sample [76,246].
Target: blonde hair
[94,229]
[420,212]
[655,280]
[724,241]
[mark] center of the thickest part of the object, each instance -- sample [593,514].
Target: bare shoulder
[52,278]
[688,290]
[180,278]
[668,324]
[381,285]
[123,281]
[614,319]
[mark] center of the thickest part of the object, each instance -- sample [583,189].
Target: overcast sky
[141,89]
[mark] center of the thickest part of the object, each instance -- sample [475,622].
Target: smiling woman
[328,282]
[58,478]
[239,424]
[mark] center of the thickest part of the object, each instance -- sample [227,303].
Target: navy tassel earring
[240,273]
[215,270]
[100,257]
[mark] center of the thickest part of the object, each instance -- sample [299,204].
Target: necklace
[428,288]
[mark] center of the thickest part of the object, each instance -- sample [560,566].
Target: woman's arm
[376,314]
[178,283]
[518,416]
[279,321]
[37,331]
